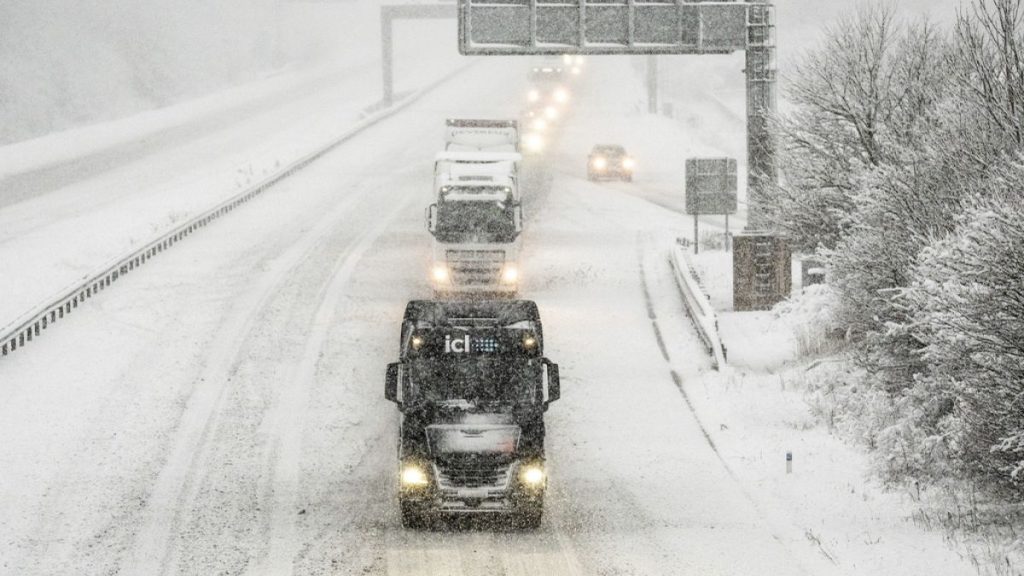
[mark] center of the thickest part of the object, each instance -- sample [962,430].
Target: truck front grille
[475,267]
[474,475]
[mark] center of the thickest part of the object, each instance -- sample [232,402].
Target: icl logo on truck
[468,344]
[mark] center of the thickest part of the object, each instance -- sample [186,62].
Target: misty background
[68,63]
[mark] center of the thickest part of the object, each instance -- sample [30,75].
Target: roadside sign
[503,27]
[710,185]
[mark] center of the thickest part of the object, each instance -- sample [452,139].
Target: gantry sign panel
[710,186]
[503,27]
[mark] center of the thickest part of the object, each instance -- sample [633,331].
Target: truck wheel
[413,517]
[628,178]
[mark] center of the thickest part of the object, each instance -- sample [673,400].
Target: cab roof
[456,312]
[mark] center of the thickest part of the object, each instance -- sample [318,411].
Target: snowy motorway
[221,410]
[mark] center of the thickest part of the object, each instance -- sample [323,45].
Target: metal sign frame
[510,27]
[711,185]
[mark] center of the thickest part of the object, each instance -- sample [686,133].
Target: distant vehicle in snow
[481,135]
[477,216]
[610,161]
[472,385]
[548,85]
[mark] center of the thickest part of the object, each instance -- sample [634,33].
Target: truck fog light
[510,274]
[412,475]
[417,342]
[529,342]
[440,273]
[533,475]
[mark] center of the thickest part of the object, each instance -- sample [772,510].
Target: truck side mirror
[517,218]
[554,386]
[431,218]
[391,383]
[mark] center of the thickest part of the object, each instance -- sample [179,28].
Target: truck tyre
[413,516]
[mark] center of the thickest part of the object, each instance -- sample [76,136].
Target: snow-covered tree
[968,298]
[862,97]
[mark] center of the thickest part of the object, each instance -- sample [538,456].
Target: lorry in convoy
[481,135]
[472,386]
[476,217]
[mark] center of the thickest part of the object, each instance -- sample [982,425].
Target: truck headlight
[561,95]
[413,475]
[533,142]
[532,475]
[440,273]
[510,274]
[599,163]
[628,163]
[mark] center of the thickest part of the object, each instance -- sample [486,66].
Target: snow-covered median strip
[698,306]
[30,325]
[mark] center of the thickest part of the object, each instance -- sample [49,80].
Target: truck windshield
[477,379]
[465,222]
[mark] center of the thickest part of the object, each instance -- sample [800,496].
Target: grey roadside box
[812,271]
[761,272]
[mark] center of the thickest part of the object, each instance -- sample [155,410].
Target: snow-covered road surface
[221,411]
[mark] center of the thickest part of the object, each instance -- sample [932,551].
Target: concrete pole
[652,84]
[387,56]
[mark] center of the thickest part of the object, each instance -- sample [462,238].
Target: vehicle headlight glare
[600,163]
[533,95]
[551,113]
[628,163]
[539,124]
[440,273]
[417,342]
[533,475]
[413,475]
[510,274]
[534,142]
[529,342]
[561,95]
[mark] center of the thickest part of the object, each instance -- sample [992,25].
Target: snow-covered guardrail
[697,305]
[30,325]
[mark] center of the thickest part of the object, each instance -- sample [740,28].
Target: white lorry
[476,218]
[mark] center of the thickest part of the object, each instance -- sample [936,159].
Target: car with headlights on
[610,162]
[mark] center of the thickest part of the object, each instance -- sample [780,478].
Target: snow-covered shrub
[968,297]
[811,316]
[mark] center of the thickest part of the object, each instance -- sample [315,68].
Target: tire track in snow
[176,487]
[285,416]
